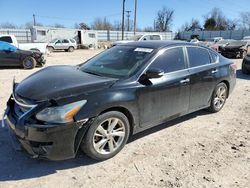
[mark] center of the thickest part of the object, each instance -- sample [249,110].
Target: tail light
[233,67]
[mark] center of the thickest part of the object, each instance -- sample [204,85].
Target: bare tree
[245,20]
[194,25]
[101,24]
[216,20]
[117,26]
[164,19]
[58,25]
[29,25]
[8,25]
[232,24]
[81,26]
[148,29]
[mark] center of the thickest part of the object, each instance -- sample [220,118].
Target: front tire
[50,49]
[29,63]
[106,136]
[219,97]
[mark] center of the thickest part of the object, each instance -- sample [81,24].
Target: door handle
[185,81]
[214,71]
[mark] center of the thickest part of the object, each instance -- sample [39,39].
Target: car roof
[158,44]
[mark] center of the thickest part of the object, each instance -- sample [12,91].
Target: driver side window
[171,60]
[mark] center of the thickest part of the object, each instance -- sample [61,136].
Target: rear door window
[198,56]
[155,37]
[214,56]
[171,60]
[65,41]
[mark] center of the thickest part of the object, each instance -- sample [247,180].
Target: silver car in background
[69,45]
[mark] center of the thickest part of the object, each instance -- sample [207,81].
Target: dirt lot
[198,150]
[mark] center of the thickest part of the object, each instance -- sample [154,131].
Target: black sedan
[11,56]
[97,105]
[246,64]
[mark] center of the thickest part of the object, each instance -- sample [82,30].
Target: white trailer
[86,38]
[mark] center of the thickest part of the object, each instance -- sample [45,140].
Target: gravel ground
[198,150]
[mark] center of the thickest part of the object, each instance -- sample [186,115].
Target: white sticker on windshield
[147,50]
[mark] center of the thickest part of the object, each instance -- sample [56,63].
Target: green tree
[210,24]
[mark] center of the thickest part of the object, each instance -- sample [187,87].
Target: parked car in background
[220,43]
[247,38]
[12,56]
[212,41]
[195,41]
[97,105]
[69,45]
[40,47]
[234,49]
[145,37]
[245,67]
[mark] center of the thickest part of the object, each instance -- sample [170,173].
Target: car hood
[57,82]
[30,52]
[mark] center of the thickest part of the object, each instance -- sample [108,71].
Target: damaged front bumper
[53,142]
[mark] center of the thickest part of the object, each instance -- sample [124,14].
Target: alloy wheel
[220,97]
[28,63]
[109,136]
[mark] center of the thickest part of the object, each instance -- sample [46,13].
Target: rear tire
[219,98]
[244,69]
[29,63]
[107,135]
[71,49]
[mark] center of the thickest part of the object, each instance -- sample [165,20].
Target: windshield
[136,37]
[117,62]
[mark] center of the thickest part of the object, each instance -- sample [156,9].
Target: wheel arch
[49,46]
[227,84]
[124,111]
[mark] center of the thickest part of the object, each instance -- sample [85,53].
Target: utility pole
[135,17]
[123,12]
[128,16]
[34,19]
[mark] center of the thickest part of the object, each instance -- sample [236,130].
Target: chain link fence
[204,35]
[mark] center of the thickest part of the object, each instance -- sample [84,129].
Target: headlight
[60,114]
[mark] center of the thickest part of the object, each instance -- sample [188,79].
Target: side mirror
[154,73]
